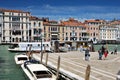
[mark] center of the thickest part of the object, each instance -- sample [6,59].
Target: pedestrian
[115,51]
[87,54]
[103,49]
[100,54]
[68,47]
[105,53]
[81,48]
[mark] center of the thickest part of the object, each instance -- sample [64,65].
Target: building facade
[20,26]
[14,25]
[74,31]
[93,29]
[36,29]
[1,25]
[53,31]
[108,32]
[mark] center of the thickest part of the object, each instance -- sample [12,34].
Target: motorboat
[20,58]
[37,71]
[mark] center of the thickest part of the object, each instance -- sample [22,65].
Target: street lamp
[41,47]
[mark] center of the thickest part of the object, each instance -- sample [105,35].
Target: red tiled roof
[46,23]
[115,22]
[34,18]
[17,11]
[49,23]
[71,22]
[96,20]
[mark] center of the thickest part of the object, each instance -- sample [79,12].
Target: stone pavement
[74,62]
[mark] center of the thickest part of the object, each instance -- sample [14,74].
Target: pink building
[74,30]
[93,28]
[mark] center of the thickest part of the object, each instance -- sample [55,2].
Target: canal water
[8,69]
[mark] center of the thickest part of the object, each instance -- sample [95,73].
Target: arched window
[34,24]
[39,24]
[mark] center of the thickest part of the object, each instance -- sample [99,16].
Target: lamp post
[39,31]
[41,48]
[73,37]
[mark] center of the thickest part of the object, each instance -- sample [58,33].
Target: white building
[108,32]
[14,25]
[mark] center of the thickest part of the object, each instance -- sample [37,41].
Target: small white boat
[20,58]
[37,72]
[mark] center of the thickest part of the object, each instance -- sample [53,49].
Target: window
[62,29]
[70,34]
[37,31]
[9,13]
[76,28]
[0,25]
[66,34]
[0,34]
[15,18]
[66,38]
[75,34]
[18,14]
[16,26]
[79,34]
[39,24]
[53,28]
[12,13]
[34,24]
[9,18]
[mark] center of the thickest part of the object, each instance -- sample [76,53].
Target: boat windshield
[12,46]
[22,58]
[43,74]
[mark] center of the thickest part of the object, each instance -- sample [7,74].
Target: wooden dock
[73,65]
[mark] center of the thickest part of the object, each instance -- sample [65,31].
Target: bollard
[87,74]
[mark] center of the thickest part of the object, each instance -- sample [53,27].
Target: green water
[110,47]
[8,69]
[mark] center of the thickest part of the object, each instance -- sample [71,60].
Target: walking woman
[105,53]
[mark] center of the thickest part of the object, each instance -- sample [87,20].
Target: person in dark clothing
[115,51]
[100,54]
[87,55]
[103,49]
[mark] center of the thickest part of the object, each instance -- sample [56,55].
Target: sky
[64,9]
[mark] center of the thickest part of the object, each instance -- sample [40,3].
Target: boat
[27,46]
[37,71]
[20,58]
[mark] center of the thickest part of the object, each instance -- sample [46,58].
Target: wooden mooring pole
[58,66]
[46,59]
[87,75]
[41,57]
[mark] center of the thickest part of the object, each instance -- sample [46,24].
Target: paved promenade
[73,62]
